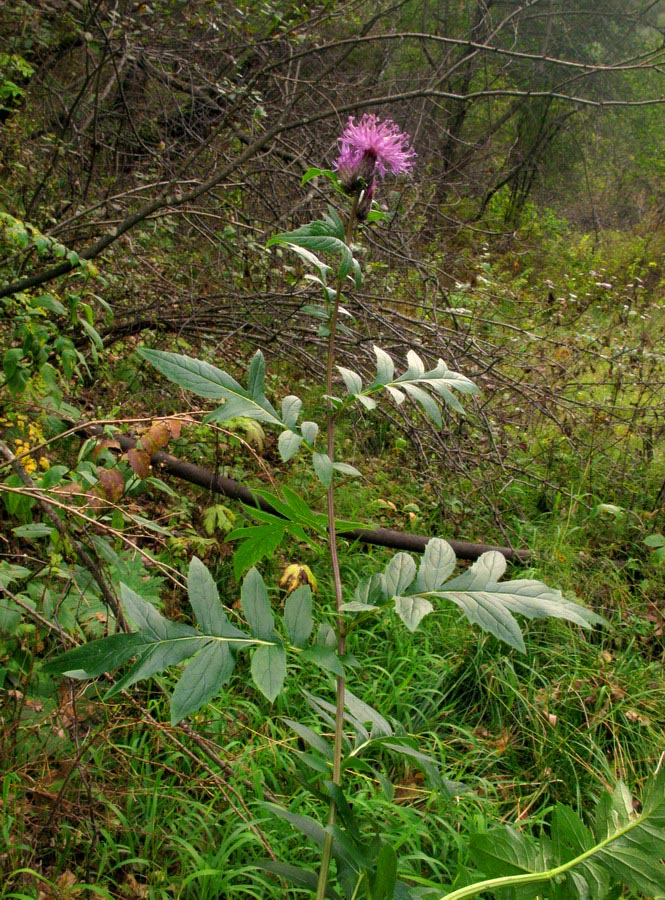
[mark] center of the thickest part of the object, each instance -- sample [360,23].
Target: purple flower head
[369,148]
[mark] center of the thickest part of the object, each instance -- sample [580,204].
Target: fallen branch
[218,484]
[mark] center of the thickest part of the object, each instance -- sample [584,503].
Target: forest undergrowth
[106,799]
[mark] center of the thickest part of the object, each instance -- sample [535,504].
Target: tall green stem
[334,562]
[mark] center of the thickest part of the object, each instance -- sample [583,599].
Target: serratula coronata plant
[307,634]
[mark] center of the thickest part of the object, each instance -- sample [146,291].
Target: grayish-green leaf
[96,657]
[288,444]
[310,737]
[194,375]
[269,669]
[353,381]
[256,606]
[437,564]
[204,598]
[412,610]
[385,367]
[325,658]
[298,615]
[309,431]
[429,405]
[346,469]
[323,468]
[202,679]
[291,407]
[398,575]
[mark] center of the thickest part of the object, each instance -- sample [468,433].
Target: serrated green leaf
[269,669]
[95,658]
[346,469]
[481,608]
[256,376]
[506,851]
[205,602]
[437,564]
[314,740]
[256,606]
[325,658]
[323,468]
[260,541]
[194,375]
[309,431]
[300,511]
[398,575]
[385,367]
[288,444]
[429,405]
[353,381]
[291,407]
[202,679]
[298,615]
[412,610]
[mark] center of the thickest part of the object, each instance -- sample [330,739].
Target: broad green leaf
[297,876]
[204,598]
[34,530]
[208,381]
[261,541]
[194,375]
[298,615]
[256,606]
[323,468]
[269,669]
[385,876]
[291,407]
[629,850]
[398,575]
[363,713]
[48,301]
[412,610]
[314,740]
[324,657]
[482,608]
[202,679]
[256,377]
[288,444]
[353,381]
[437,564]
[429,405]
[95,658]
[506,851]
[385,367]
[346,469]
[309,431]
[149,620]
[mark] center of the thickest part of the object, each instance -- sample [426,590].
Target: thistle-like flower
[372,148]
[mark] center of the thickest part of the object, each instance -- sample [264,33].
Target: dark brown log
[383,537]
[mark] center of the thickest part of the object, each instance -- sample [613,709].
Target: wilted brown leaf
[112,484]
[139,460]
[159,434]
